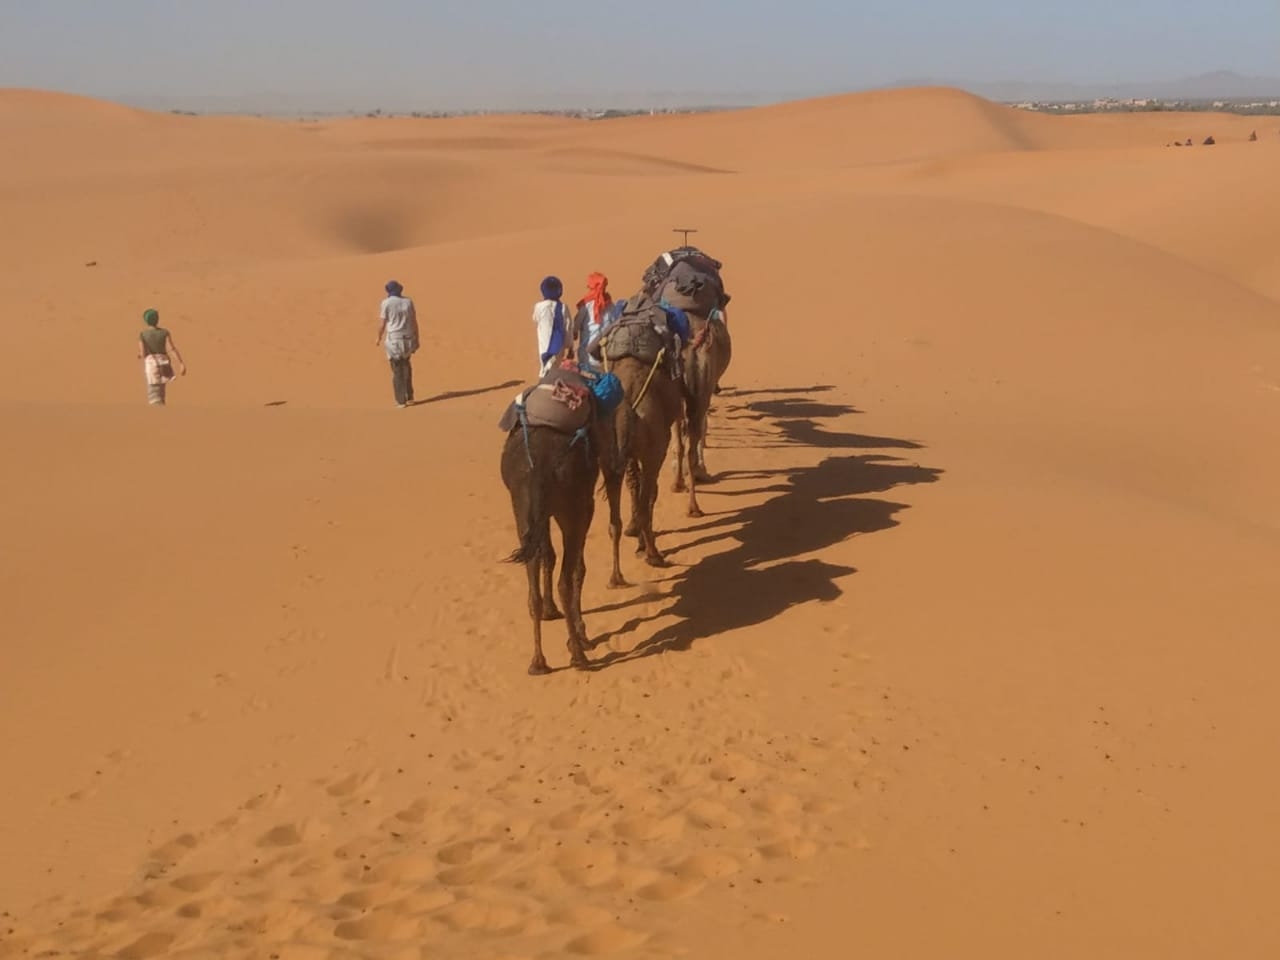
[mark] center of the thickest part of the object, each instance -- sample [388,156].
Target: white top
[401,319]
[544,316]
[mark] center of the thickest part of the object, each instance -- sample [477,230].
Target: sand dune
[968,657]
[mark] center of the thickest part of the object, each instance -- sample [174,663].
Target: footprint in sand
[115,915]
[357,784]
[466,851]
[605,940]
[779,805]
[195,882]
[578,817]
[260,801]
[191,911]
[578,915]
[284,835]
[710,815]
[177,848]
[387,926]
[410,868]
[366,898]
[587,866]
[415,813]
[146,946]
[706,866]
[360,849]
[734,768]
[471,874]
[671,888]
[160,898]
[492,918]
[819,807]
[426,900]
[645,828]
[209,910]
[791,848]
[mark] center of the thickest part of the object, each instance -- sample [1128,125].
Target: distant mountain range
[1219,85]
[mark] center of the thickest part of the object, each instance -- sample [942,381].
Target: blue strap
[583,434]
[524,425]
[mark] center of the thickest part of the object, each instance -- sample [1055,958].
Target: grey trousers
[402,379]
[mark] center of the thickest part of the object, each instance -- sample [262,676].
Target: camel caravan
[642,373]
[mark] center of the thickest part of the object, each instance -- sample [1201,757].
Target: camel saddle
[562,400]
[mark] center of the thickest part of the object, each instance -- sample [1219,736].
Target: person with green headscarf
[155,343]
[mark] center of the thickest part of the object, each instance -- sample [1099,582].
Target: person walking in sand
[549,318]
[398,336]
[155,343]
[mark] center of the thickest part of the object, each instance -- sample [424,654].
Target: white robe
[544,317]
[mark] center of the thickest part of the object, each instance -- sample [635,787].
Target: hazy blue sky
[522,52]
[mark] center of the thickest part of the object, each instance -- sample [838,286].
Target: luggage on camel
[564,400]
[694,264]
[640,332]
[692,290]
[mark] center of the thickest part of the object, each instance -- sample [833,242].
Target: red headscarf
[598,294]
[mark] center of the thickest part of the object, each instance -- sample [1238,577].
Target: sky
[463,54]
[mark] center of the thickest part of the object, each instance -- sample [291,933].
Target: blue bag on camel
[608,392]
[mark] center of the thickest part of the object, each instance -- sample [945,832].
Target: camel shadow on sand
[814,507]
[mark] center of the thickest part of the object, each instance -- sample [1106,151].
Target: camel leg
[613,490]
[549,610]
[573,571]
[696,423]
[649,499]
[679,485]
[633,487]
[579,579]
[538,665]
[698,462]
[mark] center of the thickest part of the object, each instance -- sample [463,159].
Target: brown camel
[554,476]
[706,358]
[642,428]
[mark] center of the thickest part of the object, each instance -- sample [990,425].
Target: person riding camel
[596,310]
[549,317]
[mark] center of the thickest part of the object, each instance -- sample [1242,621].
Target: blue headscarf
[394,288]
[551,289]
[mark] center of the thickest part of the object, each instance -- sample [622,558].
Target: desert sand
[970,657]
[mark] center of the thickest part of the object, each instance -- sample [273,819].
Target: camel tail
[537,525]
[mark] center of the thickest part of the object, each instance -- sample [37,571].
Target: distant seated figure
[1188,143]
[1209,141]
[1253,137]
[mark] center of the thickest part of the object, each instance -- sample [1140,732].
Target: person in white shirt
[398,336]
[549,316]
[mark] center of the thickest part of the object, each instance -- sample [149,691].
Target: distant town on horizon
[1222,91]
